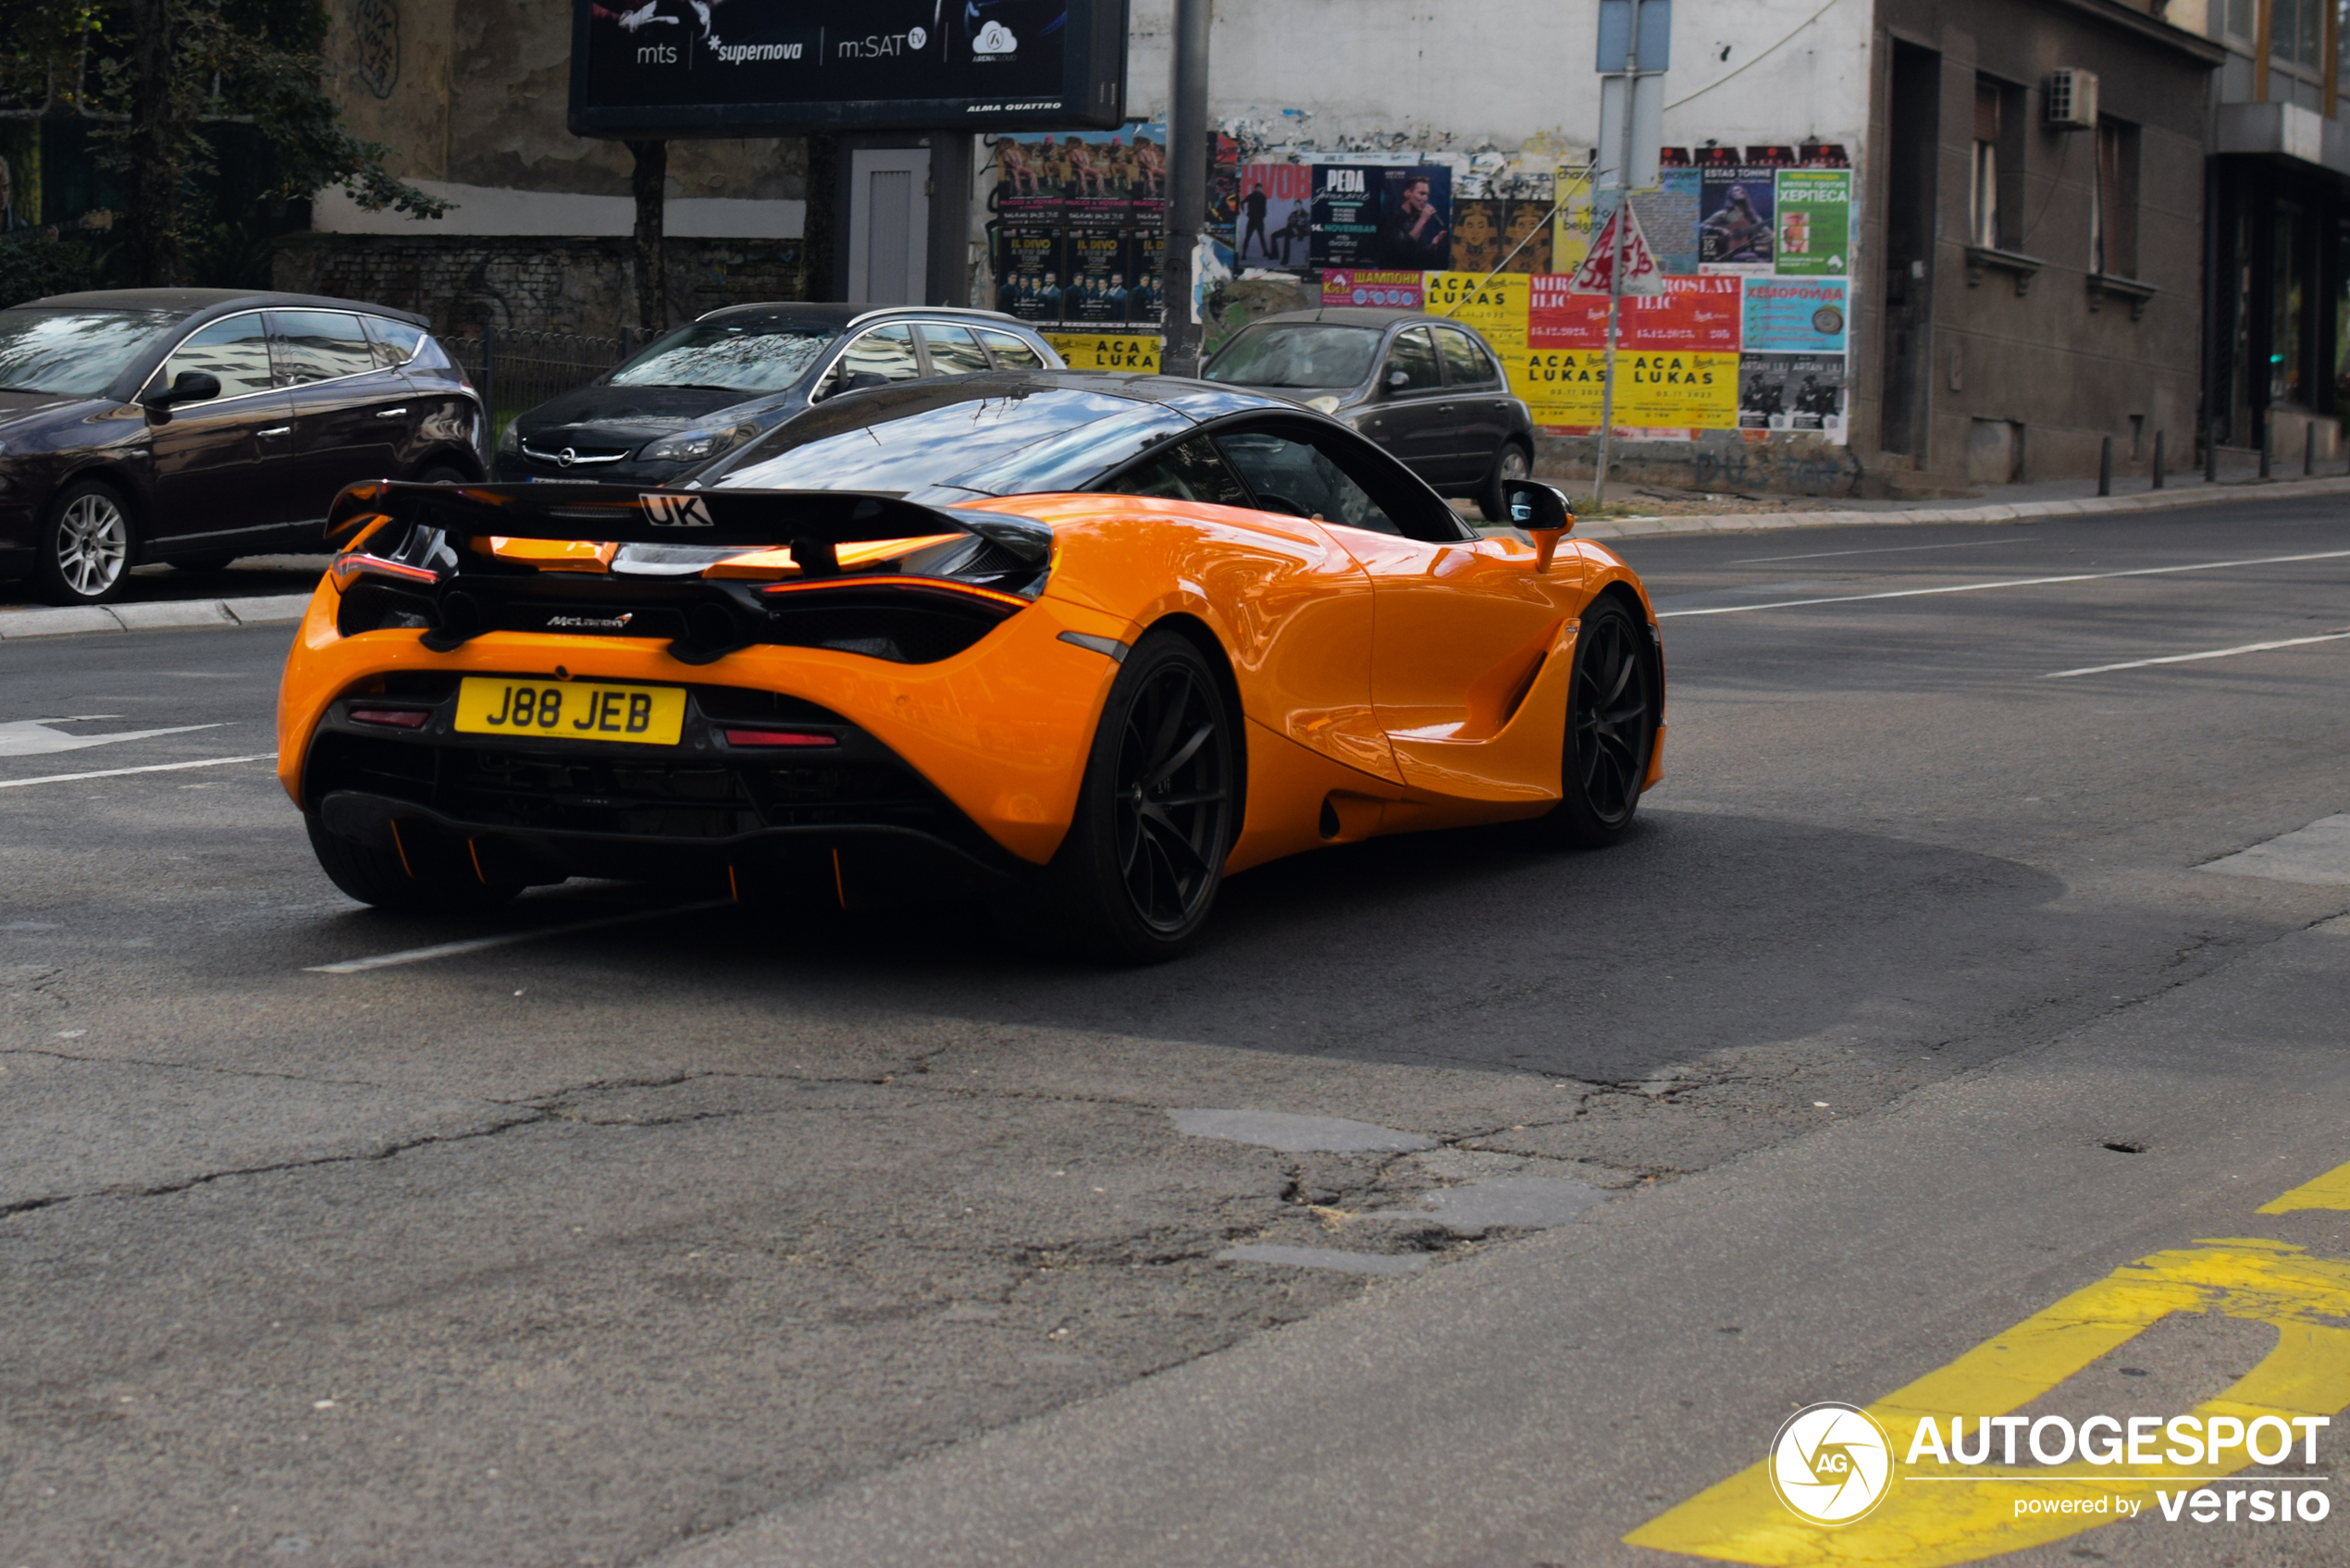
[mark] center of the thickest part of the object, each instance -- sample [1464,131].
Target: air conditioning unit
[2072,100]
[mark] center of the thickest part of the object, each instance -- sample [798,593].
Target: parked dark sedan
[1429,390]
[735,374]
[195,425]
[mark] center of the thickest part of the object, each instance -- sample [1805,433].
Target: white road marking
[33,737]
[1883,549]
[2010,583]
[2191,657]
[476,944]
[151,768]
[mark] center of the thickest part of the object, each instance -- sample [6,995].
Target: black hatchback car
[730,376]
[1429,390]
[195,425]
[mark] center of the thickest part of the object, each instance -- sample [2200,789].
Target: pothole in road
[2124,1146]
[1294,1135]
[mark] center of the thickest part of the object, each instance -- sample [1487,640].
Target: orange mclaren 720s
[1093,642]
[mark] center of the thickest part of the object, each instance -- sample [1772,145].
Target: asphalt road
[714,1236]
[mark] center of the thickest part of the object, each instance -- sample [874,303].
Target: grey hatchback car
[730,376]
[1429,390]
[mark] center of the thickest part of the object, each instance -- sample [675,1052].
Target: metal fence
[516,371]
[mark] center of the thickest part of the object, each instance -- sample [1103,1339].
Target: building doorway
[888,225]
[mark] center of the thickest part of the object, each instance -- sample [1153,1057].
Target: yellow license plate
[493,705]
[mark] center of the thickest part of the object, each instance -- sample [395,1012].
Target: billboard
[758,67]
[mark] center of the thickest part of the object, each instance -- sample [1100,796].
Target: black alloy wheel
[1610,728]
[1138,873]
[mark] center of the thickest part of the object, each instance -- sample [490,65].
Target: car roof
[1356,315]
[1195,400]
[840,317]
[196,301]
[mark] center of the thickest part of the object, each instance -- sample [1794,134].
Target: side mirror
[1543,511]
[843,379]
[1397,380]
[188,386]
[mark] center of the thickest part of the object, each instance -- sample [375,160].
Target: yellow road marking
[1969,1519]
[2330,1191]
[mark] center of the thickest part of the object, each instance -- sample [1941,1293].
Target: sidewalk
[1694,513]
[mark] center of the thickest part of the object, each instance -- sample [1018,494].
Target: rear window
[728,356]
[1032,442]
[1011,354]
[1298,354]
[395,341]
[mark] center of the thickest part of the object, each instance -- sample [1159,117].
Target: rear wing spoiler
[625,514]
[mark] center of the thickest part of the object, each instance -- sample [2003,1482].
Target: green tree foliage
[160,72]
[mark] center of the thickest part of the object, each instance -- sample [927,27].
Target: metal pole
[2105,466]
[2158,465]
[1187,133]
[2308,449]
[1616,271]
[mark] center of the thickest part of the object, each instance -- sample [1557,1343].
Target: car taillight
[398,718]
[780,738]
[348,568]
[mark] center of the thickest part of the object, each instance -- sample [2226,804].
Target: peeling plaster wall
[1327,75]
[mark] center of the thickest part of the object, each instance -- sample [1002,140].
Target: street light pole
[1186,184]
[1615,269]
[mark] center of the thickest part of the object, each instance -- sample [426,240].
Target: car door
[886,351]
[220,465]
[350,416]
[1310,611]
[1410,418]
[1480,405]
[951,348]
[1468,646]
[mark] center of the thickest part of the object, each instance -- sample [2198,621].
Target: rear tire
[87,546]
[1611,729]
[384,878]
[441,474]
[1513,463]
[1136,877]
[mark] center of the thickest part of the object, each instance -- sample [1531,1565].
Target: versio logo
[1830,1463]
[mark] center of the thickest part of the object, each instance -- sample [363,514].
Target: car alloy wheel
[1173,795]
[1611,729]
[1136,877]
[93,544]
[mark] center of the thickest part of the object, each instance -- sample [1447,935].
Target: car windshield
[76,352]
[738,356]
[1299,353]
[1026,443]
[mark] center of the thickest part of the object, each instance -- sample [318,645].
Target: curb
[2016,511]
[171,614]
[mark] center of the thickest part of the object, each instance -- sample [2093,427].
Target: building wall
[585,284]
[1364,74]
[472,97]
[2065,365]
